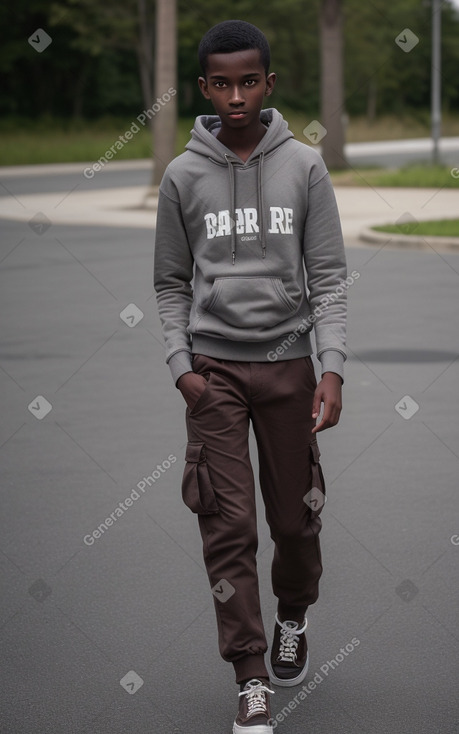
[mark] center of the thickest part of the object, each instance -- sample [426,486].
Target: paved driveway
[112,631]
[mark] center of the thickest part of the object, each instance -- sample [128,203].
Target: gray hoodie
[249,257]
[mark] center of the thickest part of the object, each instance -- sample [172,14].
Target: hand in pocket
[191,385]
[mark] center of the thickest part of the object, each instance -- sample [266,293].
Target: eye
[220,85]
[251,82]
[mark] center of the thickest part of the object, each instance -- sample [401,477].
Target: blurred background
[69,102]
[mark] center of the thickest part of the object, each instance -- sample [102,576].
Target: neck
[244,141]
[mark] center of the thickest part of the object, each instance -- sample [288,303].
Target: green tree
[379,77]
[100,28]
[101,60]
[291,29]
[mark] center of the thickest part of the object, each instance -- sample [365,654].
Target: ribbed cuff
[179,363]
[332,360]
[250,666]
[275,350]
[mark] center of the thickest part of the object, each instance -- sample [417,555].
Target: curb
[408,241]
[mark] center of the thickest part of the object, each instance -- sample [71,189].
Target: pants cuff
[250,666]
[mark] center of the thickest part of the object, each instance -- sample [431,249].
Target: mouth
[237,115]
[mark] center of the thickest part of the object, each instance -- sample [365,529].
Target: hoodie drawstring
[232,183]
[260,205]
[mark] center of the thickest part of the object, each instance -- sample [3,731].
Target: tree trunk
[165,118]
[331,82]
[371,100]
[79,90]
[145,55]
[146,70]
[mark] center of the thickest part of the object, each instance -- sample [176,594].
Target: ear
[270,82]
[203,87]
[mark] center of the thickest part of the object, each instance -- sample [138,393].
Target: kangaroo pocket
[252,301]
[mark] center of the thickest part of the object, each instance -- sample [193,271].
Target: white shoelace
[256,692]
[289,639]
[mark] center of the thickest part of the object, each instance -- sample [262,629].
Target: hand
[328,392]
[191,385]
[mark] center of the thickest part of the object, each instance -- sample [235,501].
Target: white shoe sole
[287,682]
[260,729]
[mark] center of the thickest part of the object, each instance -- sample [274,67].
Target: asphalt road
[114,633]
[22,180]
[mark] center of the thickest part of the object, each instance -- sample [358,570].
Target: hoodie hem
[275,350]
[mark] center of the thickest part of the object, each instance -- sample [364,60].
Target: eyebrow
[244,76]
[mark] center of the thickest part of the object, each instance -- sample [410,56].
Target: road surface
[106,615]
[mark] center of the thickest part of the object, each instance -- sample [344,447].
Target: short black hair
[230,36]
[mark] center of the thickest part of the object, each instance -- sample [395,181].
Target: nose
[236,96]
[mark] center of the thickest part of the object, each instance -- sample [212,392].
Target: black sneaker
[254,715]
[289,657]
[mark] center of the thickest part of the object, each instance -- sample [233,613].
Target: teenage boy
[248,214]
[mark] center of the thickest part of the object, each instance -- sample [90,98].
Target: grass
[398,128]
[440,228]
[51,143]
[77,142]
[415,176]
[388,127]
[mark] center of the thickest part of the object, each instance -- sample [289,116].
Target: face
[236,83]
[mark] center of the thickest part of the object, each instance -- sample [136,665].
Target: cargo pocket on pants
[197,491]
[316,497]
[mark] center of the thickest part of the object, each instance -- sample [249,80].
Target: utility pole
[331,82]
[436,80]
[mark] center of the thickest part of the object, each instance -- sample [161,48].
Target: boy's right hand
[191,385]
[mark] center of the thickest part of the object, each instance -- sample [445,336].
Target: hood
[204,142]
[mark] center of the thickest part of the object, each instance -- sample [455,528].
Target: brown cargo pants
[218,485]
